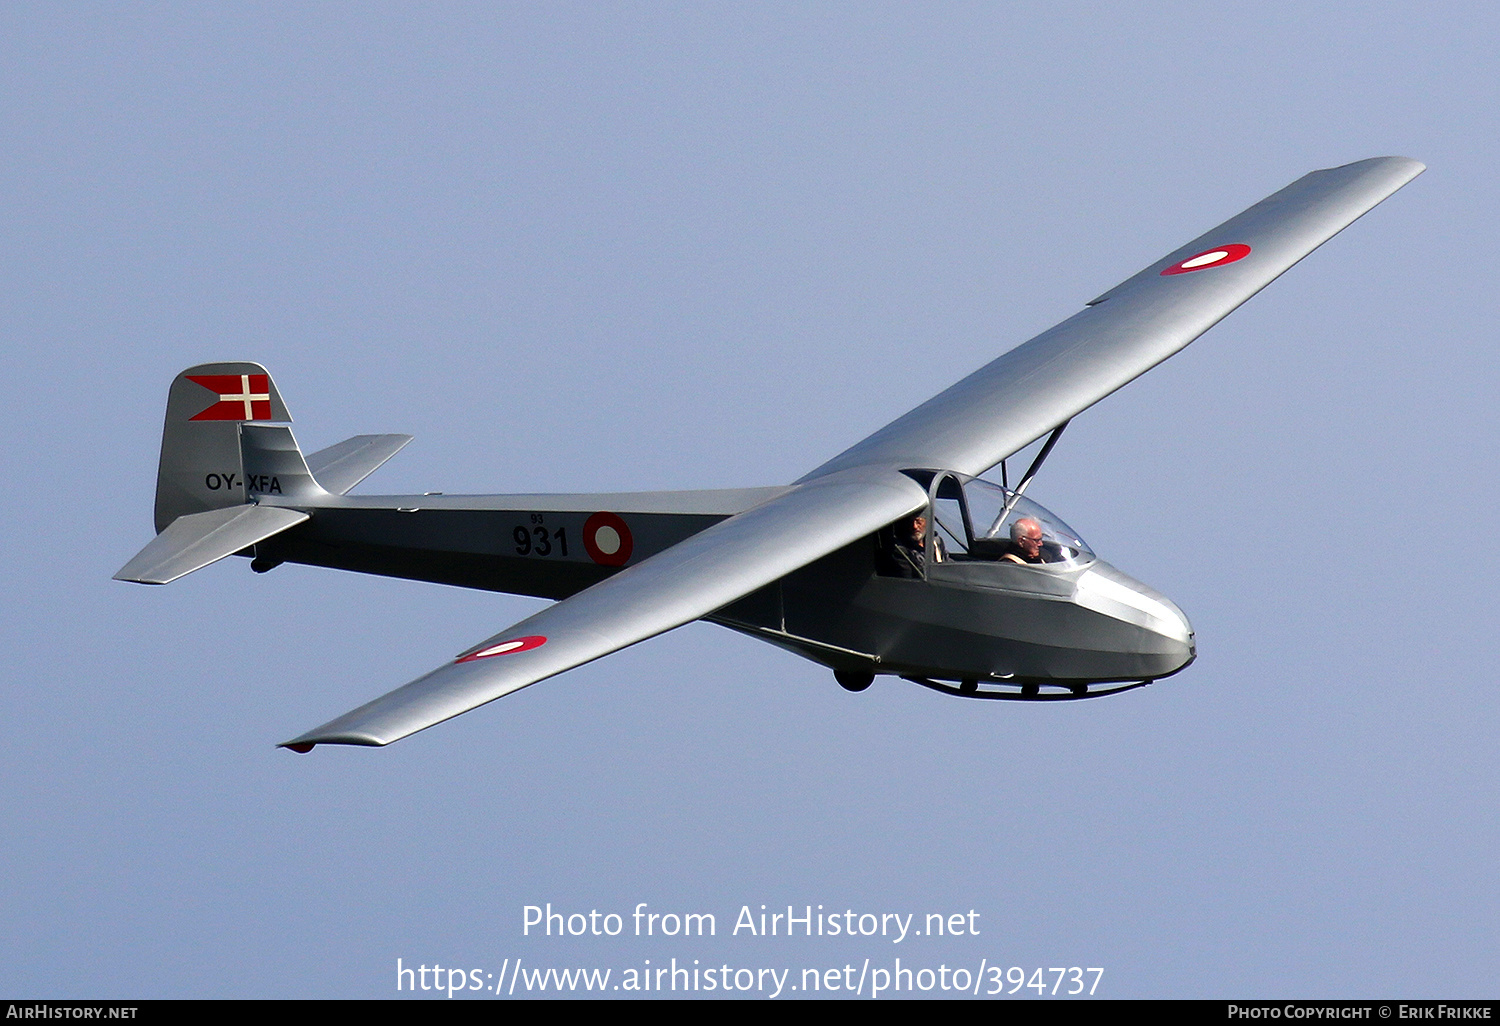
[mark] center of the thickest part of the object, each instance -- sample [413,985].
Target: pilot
[1025,542]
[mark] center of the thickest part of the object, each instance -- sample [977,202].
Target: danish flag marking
[241,396]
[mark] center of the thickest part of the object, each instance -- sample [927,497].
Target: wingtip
[1416,167]
[133,579]
[307,742]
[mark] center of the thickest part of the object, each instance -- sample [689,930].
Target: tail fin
[201,468]
[222,455]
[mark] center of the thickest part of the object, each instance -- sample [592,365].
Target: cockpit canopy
[976,519]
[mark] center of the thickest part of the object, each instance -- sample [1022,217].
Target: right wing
[687,581]
[1014,400]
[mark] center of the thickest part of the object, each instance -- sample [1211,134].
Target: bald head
[1026,536]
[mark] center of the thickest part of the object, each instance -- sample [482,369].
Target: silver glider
[893,558]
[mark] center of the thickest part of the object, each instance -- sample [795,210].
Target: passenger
[910,551]
[1025,542]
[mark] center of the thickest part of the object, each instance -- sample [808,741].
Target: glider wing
[689,580]
[1014,400]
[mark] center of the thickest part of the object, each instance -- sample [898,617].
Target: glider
[895,557]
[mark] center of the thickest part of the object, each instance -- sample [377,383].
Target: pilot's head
[1026,536]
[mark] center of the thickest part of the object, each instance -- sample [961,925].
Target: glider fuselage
[1002,625]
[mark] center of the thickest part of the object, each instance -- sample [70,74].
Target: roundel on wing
[525,644]
[1216,257]
[607,540]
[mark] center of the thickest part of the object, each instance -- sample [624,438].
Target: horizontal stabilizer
[340,467]
[199,539]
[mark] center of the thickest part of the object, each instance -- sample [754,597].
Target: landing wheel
[853,680]
[968,687]
[1030,690]
[1079,690]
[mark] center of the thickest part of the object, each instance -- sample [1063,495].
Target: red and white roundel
[525,644]
[1216,257]
[607,540]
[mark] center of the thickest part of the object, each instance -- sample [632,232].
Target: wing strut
[1036,465]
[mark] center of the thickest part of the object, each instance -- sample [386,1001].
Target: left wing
[691,579]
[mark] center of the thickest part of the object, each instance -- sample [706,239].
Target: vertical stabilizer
[200,466]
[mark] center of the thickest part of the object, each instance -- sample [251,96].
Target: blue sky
[602,246]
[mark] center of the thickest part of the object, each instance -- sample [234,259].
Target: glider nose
[1181,635]
[1163,637]
[1175,626]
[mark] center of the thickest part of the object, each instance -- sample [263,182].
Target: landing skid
[1022,693]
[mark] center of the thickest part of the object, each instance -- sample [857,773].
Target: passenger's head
[1026,536]
[919,531]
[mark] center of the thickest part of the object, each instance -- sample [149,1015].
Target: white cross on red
[246,396]
[240,396]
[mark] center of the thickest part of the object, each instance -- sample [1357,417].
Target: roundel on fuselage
[607,539]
